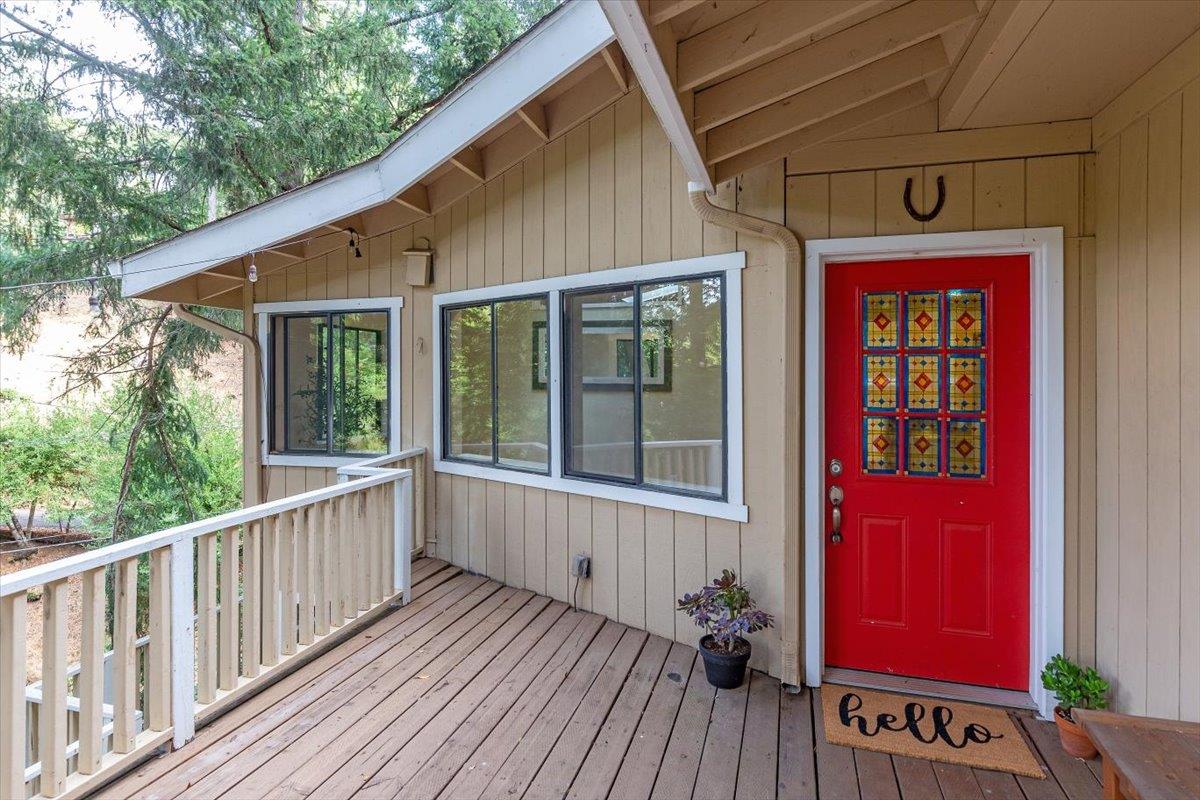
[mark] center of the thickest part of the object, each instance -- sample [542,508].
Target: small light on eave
[252,272]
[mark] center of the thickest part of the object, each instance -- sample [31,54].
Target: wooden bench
[1145,758]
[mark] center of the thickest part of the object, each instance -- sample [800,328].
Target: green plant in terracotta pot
[1074,687]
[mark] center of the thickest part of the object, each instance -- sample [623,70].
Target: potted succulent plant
[1074,687]
[725,610]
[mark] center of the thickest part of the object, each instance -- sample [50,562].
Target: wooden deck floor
[479,690]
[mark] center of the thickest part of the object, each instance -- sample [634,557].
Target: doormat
[926,727]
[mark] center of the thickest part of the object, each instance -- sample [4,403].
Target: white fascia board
[575,33]
[633,33]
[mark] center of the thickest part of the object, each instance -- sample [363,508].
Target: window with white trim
[497,408]
[623,384]
[645,384]
[332,370]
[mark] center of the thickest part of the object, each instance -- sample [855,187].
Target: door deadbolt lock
[835,467]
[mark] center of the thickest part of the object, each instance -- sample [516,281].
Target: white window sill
[721,509]
[315,460]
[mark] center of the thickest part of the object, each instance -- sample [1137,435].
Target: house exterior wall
[610,193]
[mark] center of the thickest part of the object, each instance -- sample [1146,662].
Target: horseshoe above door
[937,207]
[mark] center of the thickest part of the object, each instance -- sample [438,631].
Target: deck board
[478,690]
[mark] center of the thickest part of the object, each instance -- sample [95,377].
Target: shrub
[726,611]
[1074,686]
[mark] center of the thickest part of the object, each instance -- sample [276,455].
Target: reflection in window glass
[360,382]
[469,383]
[600,351]
[301,413]
[522,412]
[324,359]
[683,385]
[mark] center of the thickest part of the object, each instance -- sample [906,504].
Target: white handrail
[110,554]
[180,584]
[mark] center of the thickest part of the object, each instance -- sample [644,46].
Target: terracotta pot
[1074,741]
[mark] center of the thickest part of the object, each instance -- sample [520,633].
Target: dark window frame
[444,367]
[638,481]
[280,448]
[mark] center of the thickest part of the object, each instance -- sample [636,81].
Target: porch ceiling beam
[665,10]
[469,161]
[633,33]
[415,197]
[585,98]
[1002,32]
[614,59]
[828,58]
[292,252]
[213,274]
[203,294]
[845,122]
[533,114]
[827,99]
[762,31]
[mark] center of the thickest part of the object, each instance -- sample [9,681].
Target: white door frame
[1044,246]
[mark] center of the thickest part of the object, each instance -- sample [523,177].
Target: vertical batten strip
[158,678]
[124,656]
[206,622]
[12,695]
[269,590]
[90,686]
[254,601]
[52,717]
[228,621]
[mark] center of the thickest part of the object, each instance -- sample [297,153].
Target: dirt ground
[33,609]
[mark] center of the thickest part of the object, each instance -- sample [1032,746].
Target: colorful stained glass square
[965,456]
[880,445]
[965,384]
[921,382]
[923,313]
[880,384]
[922,454]
[881,314]
[965,317]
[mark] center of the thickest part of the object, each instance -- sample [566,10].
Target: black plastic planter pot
[725,671]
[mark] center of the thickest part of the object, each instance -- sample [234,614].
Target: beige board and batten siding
[1130,215]
[607,193]
[1147,295]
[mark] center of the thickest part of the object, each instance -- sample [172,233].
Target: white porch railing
[233,600]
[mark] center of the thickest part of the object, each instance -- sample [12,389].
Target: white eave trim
[638,43]
[572,35]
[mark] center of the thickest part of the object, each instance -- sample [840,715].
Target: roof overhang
[564,40]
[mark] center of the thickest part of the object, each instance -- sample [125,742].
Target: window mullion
[329,382]
[637,384]
[495,396]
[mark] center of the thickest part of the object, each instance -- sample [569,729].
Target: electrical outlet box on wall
[581,566]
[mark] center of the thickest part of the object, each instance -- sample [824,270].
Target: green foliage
[71,462]
[46,461]
[1074,686]
[233,100]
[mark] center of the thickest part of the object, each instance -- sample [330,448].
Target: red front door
[927,409]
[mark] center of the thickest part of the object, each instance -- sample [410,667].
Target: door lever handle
[836,495]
